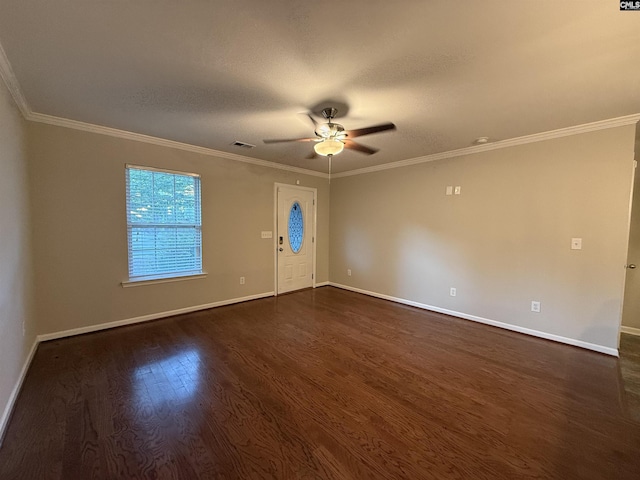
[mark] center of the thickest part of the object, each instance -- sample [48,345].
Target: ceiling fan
[331,138]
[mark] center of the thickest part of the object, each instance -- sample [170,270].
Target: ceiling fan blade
[369,130]
[313,120]
[282,140]
[351,145]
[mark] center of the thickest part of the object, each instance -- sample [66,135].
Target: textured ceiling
[208,73]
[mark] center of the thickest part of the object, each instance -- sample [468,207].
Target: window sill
[152,281]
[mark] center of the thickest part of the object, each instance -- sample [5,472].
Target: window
[296,227]
[164,226]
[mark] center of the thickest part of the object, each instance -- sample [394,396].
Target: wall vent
[242,144]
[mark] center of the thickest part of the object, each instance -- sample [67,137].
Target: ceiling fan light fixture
[329,146]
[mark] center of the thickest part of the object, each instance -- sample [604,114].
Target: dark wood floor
[630,370]
[319,384]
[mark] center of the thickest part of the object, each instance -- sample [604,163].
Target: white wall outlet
[265,234]
[576,244]
[453,292]
[449,190]
[241,280]
[535,306]
[348,272]
[457,190]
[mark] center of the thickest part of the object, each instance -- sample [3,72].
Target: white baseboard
[322,284]
[146,318]
[630,330]
[486,321]
[6,414]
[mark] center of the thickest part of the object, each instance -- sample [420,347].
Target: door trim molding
[314,233]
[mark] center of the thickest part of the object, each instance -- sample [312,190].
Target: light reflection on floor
[171,380]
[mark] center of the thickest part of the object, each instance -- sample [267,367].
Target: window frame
[164,277]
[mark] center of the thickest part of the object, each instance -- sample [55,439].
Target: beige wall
[17,329]
[79,224]
[502,243]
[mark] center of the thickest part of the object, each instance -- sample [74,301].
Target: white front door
[295,238]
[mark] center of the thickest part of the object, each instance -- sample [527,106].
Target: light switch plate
[457,190]
[449,190]
[576,244]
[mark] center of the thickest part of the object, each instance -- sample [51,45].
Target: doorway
[631,302]
[295,219]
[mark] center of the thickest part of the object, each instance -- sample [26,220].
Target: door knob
[281,249]
[631,266]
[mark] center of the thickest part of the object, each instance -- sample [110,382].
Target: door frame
[314,235]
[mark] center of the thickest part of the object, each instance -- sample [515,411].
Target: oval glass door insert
[296,227]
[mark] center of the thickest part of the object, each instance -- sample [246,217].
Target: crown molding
[139,137]
[10,80]
[536,137]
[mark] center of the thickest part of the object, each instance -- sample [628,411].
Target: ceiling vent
[242,144]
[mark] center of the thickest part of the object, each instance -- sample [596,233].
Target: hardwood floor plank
[320,384]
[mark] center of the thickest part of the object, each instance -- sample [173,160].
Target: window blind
[164,225]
